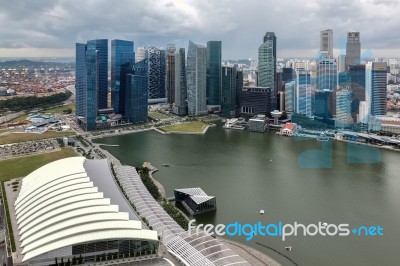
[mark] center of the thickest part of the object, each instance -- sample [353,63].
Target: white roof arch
[59,205]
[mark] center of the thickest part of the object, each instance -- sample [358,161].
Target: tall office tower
[326,43]
[343,109]
[214,75]
[341,63]
[267,64]
[357,87]
[290,96]
[156,71]
[353,49]
[101,47]
[281,101]
[228,92]
[91,81]
[180,105]
[136,101]
[92,92]
[122,55]
[375,85]
[327,74]
[170,73]
[140,54]
[239,89]
[303,93]
[80,79]
[196,79]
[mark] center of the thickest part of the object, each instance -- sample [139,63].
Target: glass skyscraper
[214,61]
[228,99]
[122,55]
[180,105]
[196,79]
[91,81]
[375,83]
[267,66]
[101,47]
[80,79]
[156,71]
[136,102]
[170,72]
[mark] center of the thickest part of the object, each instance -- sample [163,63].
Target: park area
[157,115]
[191,127]
[22,137]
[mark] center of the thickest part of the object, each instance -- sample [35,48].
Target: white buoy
[261,211]
[288,248]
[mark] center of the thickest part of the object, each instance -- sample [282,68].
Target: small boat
[322,137]
[289,248]
[262,212]
[165,165]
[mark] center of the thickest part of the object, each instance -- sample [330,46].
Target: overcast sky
[52,27]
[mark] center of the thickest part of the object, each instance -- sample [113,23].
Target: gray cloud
[58,24]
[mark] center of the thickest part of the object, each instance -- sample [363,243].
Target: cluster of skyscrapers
[191,86]
[339,92]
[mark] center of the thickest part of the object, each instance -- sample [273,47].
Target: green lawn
[195,127]
[22,137]
[60,109]
[157,115]
[20,167]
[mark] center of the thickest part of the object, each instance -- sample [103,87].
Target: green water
[248,172]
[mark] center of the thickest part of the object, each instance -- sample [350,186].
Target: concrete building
[156,57]
[267,65]
[363,114]
[258,123]
[353,49]
[195,200]
[326,43]
[140,54]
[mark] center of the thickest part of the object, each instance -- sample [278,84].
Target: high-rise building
[91,81]
[303,93]
[326,43]
[375,85]
[353,49]
[156,71]
[214,75]
[324,105]
[357,87]
[288,75]
[343,109]
[228,92]
[180,104]
[136,102]
[290,96]
[122,55]
[326,74]
[267,61]
[363,115]
[341,63]
[239,88]
[80,79]
[170,73]
[254,101]
[196,79]
[140,54]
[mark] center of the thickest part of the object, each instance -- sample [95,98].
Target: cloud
[56,25]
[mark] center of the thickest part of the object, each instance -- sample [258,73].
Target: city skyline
[50,28]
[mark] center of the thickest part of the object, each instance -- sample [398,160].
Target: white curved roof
[58,205]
